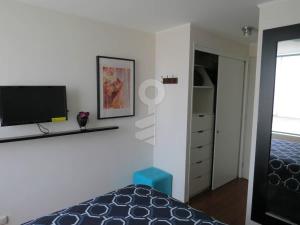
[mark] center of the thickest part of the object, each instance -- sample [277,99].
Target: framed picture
[115,87]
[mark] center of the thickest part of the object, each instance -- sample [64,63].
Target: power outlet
[3,220]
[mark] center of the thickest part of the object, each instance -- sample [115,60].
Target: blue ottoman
[156,178]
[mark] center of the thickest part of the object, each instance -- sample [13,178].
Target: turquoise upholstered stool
[156,178]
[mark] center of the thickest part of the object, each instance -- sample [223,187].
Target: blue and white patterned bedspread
[284,164]
[132,205]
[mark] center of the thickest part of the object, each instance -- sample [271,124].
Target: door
[228,120]
[249,117]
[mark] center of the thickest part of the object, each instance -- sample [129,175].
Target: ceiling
[224,17]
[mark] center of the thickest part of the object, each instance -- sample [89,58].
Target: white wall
[172,58]
[44,47]
[279,13]
[273,14]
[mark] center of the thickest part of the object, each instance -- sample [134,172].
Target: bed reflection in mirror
[283,198]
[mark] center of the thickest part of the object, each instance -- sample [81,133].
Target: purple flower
[83,115]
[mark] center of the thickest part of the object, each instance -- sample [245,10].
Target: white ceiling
[224,17]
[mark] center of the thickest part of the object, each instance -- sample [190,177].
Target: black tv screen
[32,104]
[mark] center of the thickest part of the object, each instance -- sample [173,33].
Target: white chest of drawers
[201,153]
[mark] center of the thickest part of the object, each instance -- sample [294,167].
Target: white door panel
[228,121]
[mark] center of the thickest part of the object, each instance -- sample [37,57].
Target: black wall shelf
[56,134]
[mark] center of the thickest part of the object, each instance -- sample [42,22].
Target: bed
[132,205]
[284,179]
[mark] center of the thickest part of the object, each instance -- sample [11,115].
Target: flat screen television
[32,104]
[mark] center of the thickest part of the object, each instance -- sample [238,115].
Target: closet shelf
[203,87]
[56,134]
[203,114]
[199,65]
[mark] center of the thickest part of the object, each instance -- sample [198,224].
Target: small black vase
[82,119]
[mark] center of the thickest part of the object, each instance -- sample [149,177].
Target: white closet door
[228,120]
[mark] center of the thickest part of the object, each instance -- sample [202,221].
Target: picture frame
[115,87]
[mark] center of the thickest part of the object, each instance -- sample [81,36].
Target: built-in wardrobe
[216,121]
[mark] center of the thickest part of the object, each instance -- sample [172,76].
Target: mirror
[283,188]
[276,185]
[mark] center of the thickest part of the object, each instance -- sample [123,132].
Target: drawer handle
[201,115]
[198,177]
[200,131]
[199,162]
[199,147]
